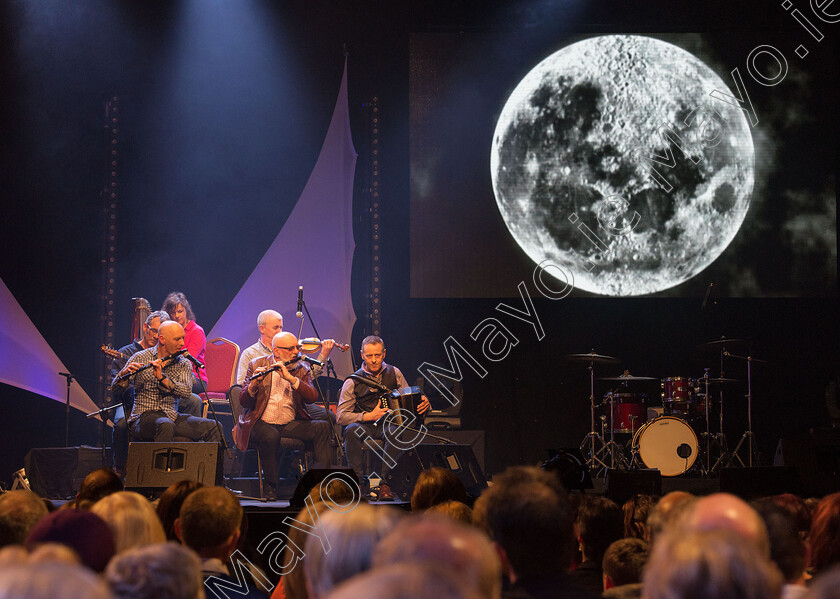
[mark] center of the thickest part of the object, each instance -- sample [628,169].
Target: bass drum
[668,444]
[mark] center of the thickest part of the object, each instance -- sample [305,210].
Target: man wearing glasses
[273,408]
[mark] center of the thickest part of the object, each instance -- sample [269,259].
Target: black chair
[286,444]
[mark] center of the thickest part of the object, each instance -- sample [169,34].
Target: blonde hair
[132,520]
[52,580]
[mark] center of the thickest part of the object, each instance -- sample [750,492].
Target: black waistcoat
[367,397]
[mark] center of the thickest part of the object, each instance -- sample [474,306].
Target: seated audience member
[623,566]
[162,571]
[530,520]
[787,549]
[97,485]
[454,510]
[51,580]
[824,537]
[724,511]
[798,510]
[637,509]
[84,532]
[600,522]
[437,485]
[132,520]
[209,524]
[195,341]
[437,541]
[352,536]
[293,585]
[709,564]
[405,581]
[169,505]
[667,510]
[20,511]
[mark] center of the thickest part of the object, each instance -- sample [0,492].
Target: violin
[312,344]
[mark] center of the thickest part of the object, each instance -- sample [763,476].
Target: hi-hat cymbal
[717,344]
[628,378]
[591,357]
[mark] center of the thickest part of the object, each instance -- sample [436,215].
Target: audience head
[636,512]
[178,308]
[725,511]
[600,523]
[798,510]
[170,502]
[51,580]
[209,522]
[437,485]
[436,540]
[405,581]
[527,514]
[787,549]
[668,510]
[84,532]
[132,519]
[162,571]
[454,510]
[19,512]
[709,564]
[294,583]
[96,485]
[352,535]
[824,537]
[624,562]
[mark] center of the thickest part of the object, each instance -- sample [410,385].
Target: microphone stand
[328,366]
[69,378]
[104,426]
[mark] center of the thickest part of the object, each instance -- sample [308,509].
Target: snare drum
[668,444]
[626,405]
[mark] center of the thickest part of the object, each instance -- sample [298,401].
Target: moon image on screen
[612,160]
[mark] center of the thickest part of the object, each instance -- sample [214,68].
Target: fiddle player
[269,323]
[162,378]
[360,407]
[273,408]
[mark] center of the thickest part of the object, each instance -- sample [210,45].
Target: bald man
[159,389]
[273,407]
[725,511]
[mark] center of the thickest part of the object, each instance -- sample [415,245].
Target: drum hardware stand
[707,436]
[748,435]
[612,448]
[592,436]
[720,437]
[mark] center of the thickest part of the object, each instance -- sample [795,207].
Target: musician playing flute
[161,380]
[273,408]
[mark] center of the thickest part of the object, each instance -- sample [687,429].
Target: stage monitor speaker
[459,459]
[750,483]
[57,472]
[155,466]
[314,477]
[816,458]
[621,485]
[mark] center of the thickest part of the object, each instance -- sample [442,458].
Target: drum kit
[635,434]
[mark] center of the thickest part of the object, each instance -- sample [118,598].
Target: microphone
[194,360]
[299,312]
[312,361]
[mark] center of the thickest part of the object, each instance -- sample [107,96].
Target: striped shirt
[150,395]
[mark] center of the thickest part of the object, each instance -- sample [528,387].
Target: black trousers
[266,438]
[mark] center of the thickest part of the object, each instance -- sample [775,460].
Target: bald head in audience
[725,511]
[437,540]
[666,511]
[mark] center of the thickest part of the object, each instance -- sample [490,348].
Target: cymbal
[591,357]
[724,342]
[718,381]
[629,378]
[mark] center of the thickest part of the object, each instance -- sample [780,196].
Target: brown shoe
[385,493]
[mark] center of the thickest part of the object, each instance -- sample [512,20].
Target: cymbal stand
[707,436]
[593,461]
[725,457]
[748,435]
[612,448]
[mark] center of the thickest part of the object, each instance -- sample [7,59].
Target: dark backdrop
[222,120]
